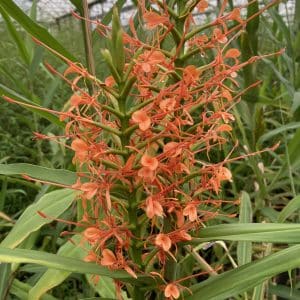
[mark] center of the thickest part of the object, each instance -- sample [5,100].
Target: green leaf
[274,132]
[295,101]
[293,150]
[244,249]
[36,60]
[27,103]
[66,264]
[4,279]
[105,287]
[243,278]
[284,292]
[254,232]
[34,29]
[40,173]
[16,36]
[52,277]
[289,209]
[21,289]
[52,204]
[78,5]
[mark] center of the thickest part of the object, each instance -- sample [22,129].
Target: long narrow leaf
[52,277]
[16,36]
[40,173]
[34,29]
[244,249]
[272,233]
[246,277]
[52,204]
[65,264]
[290,208]
[277,131]
[12,94]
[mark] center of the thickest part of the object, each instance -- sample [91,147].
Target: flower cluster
[145,137]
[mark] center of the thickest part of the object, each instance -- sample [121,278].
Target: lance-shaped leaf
[34,29]
[52,204]
[69,264]
[245,277]
[271,233]
[29,105]
[40,173]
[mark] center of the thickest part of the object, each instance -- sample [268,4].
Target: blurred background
[266,115]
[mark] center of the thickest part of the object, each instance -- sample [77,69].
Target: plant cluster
[145,139]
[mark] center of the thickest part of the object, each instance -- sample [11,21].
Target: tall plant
[146,141]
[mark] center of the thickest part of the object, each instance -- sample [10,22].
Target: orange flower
[81,149]
[89,189]
[146,174]
[219,36]
[149,162]
[171,149]
[167,104]
[190,74]
[202,5]
[153,208]
[172,291]
[227,95]
[153,19]
[142,119]
[108,258]
[109,81]
[191,211]
[91,257]
[235,15]
[224,174]
[223,128]
[92,234]
[163,241]
[232,53]
[75,100]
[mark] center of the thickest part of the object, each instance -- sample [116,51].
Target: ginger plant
[145,137]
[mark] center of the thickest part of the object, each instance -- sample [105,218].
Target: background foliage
[267,184]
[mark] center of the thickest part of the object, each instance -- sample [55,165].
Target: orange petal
[232,53]
[153,19]
[149,162]
[79,145]
[202,5]
[172,291]
[163,241]
[142,119]
[146,173]
[108,258]
[92,234]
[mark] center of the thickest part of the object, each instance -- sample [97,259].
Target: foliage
[154,145]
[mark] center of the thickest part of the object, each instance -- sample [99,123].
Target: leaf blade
[30,221]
